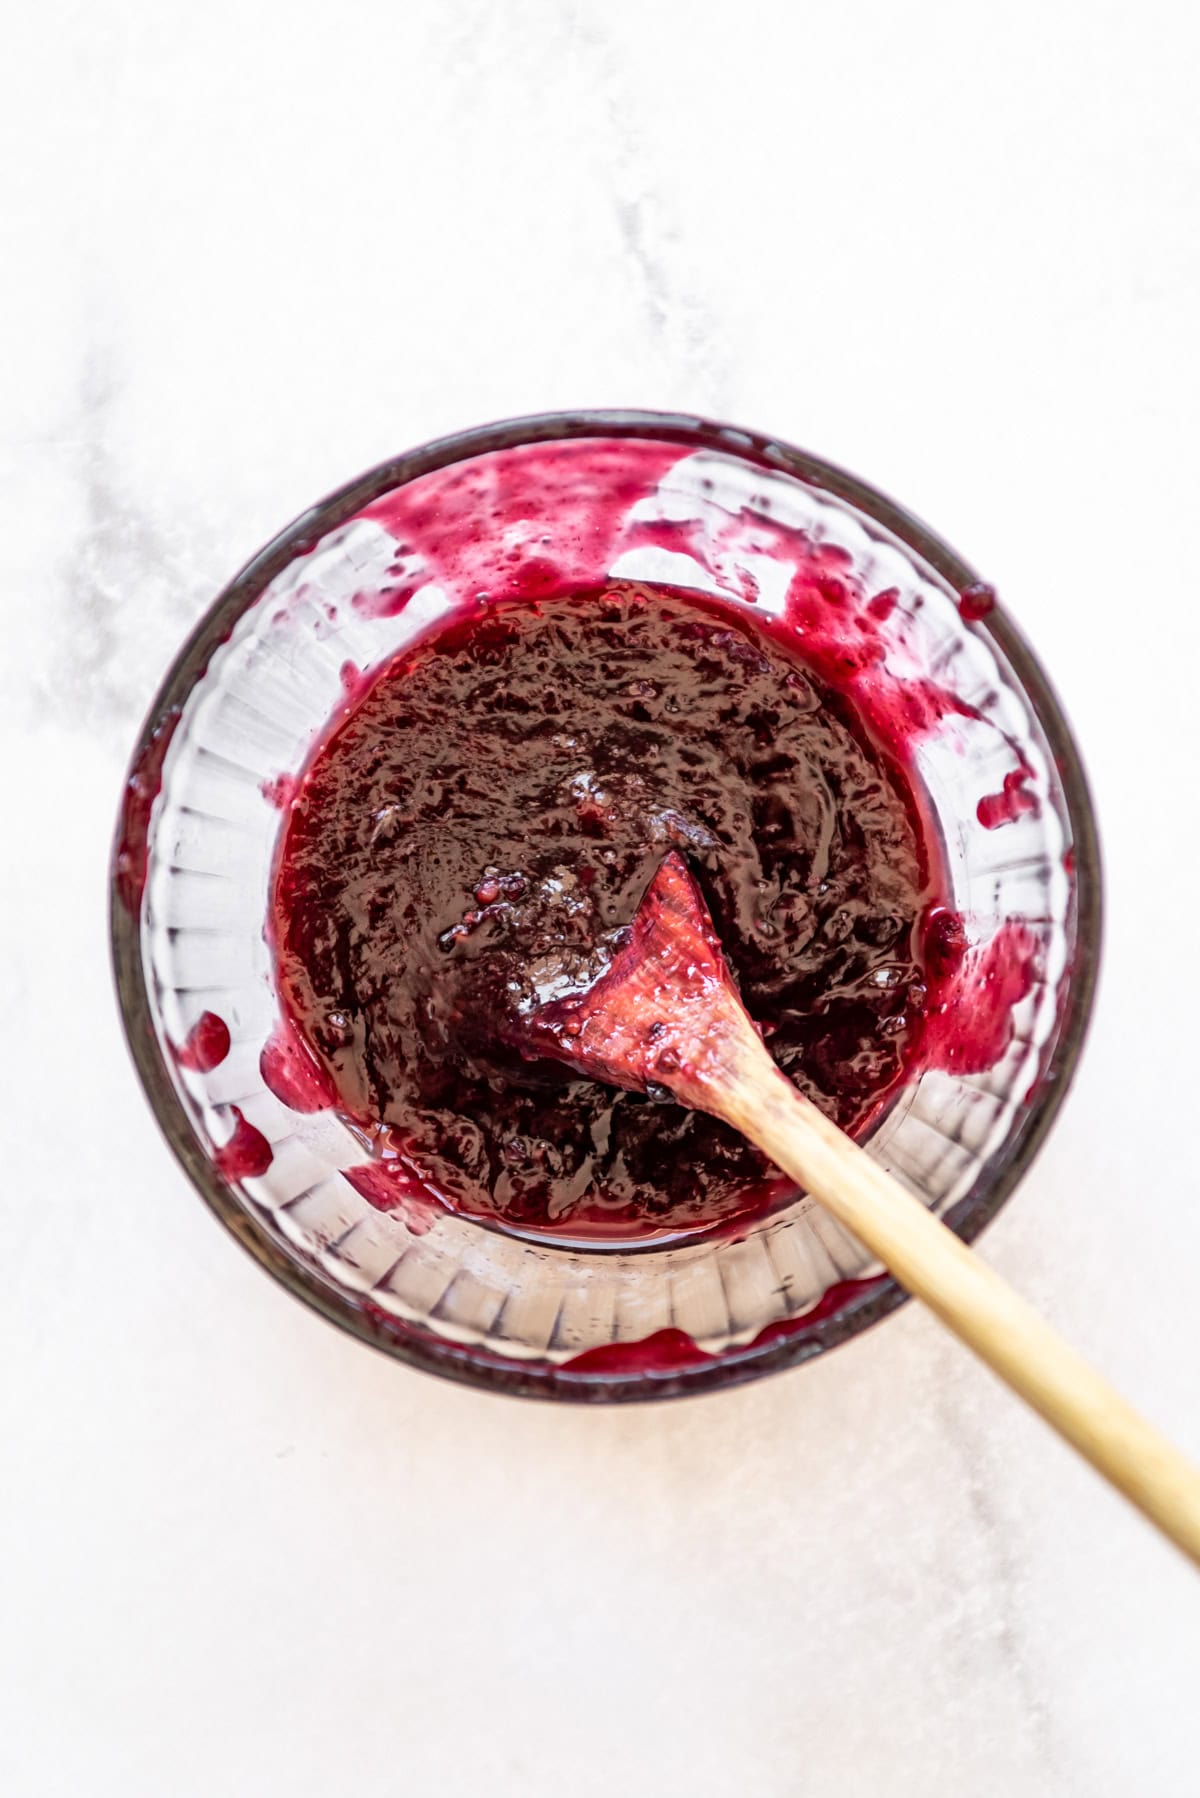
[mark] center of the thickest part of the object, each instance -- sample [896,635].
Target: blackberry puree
[500,795]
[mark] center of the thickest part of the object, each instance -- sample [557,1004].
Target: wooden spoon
[665,1013]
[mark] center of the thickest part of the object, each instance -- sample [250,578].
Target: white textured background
[247,250]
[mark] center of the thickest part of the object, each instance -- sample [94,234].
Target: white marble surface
[250,249]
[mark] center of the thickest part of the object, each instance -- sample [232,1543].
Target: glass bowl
[569,500]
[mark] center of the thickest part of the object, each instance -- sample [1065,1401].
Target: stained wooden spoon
[665,1013]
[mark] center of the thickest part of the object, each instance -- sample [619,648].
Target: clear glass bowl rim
[484,1368]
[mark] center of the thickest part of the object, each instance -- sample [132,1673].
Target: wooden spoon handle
[968,1296]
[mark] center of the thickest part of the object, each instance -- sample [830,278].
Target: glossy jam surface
[504,792]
